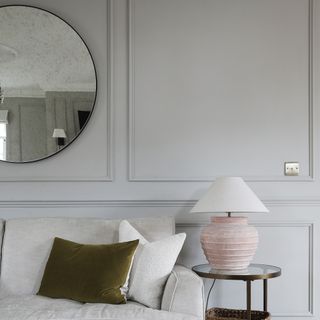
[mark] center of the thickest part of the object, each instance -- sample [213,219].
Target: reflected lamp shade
[60,135]
[229,242]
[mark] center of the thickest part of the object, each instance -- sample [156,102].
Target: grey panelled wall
[189,90]
[229,71]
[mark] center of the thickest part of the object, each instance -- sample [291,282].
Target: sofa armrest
[183,293]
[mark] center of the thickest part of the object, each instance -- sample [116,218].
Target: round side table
[252,273]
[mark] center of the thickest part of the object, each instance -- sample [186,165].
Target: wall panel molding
[141,203]
[107,175]
[132,175]
[110,101]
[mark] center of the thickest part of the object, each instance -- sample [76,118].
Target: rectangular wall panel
[89,157]
[220,87]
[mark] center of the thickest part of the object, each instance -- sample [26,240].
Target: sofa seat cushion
[32,307]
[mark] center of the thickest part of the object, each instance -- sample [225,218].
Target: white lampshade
[59,133]
[229,194]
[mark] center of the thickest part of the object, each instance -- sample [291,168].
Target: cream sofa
[26,245]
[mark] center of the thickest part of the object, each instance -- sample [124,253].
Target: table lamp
[229,243]
[60,135]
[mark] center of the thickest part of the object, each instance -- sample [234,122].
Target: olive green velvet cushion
[87,273]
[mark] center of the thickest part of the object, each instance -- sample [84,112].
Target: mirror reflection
[47,84]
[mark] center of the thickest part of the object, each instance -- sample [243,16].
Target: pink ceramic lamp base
[229,243]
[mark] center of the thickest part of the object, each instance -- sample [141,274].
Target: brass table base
[254,272]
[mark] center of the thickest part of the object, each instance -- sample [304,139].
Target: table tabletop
[253,272]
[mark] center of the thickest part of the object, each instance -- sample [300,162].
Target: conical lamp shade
[229,194]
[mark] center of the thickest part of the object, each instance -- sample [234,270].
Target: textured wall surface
[43,56]
[187,91]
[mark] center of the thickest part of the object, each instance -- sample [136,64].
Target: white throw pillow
[152,264]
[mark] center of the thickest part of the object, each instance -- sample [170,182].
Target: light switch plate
[291,168]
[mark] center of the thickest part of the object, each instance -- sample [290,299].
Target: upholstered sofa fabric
[41,308]
[26,247]
[184,292]
[27,244]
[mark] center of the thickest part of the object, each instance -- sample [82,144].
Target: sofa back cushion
[27,244]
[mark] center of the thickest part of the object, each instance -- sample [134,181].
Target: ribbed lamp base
[229,243]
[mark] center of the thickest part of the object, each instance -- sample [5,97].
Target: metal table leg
[265,294]
[209,294]
[249,299]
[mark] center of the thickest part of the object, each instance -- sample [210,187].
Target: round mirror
[47,84]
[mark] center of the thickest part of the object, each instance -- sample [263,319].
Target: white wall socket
[291,168]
